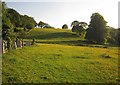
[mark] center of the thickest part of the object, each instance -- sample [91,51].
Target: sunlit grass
[60,64]
[50,34]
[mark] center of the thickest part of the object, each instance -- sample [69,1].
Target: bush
[29,26]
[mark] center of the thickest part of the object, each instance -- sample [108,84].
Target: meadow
[57,57]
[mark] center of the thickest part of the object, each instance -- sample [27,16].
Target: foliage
[65,26]
[7,26]
[27,20]
[75,23]
[48,26]
[16,29]
[80,30]
[29,26]
[79,27]
[14,17]
[17,19]
[96,31]
[112,36]
[42,24]
[11,20]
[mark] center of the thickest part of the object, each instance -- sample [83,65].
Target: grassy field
[53,36]
[60,62]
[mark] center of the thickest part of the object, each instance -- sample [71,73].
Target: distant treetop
[65,26]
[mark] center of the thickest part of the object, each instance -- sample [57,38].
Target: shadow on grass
[54,35]
[70,42]
[77,43]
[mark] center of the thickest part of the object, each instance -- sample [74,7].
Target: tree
[17,19]
[96,31]
[80,30]
[74,25]
[41,24]
[65,26]
[27,20]
[79,27]
[47,26]
[29,26]
[14,17]
[4,7]
[11,19]
[112,35]
[7,26]
[83,24]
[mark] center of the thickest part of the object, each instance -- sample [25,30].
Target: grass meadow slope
[57,58]
[53,36]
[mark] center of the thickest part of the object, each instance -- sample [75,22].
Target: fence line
[16,44]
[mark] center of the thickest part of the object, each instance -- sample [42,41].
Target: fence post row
[16,44]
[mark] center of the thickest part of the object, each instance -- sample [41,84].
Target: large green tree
[27,20]
[14,17]
[96,31]
[11,19]
[19,20]
[7,26]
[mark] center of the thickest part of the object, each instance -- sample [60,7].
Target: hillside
[49,63]
[53,36]
[57,58]
[53,53]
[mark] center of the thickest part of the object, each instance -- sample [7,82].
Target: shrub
[29,26]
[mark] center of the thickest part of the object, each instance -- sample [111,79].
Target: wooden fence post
[15,45]
[3,47]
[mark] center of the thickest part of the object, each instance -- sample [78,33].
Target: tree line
[11,20]
[97,31]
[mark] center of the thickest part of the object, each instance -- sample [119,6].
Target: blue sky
[58,13]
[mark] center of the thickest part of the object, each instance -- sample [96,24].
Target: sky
[59,12]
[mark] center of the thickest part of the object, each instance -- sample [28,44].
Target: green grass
[53,36]
[58,57]
[48,63]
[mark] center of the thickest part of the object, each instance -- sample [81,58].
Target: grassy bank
[47,63]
